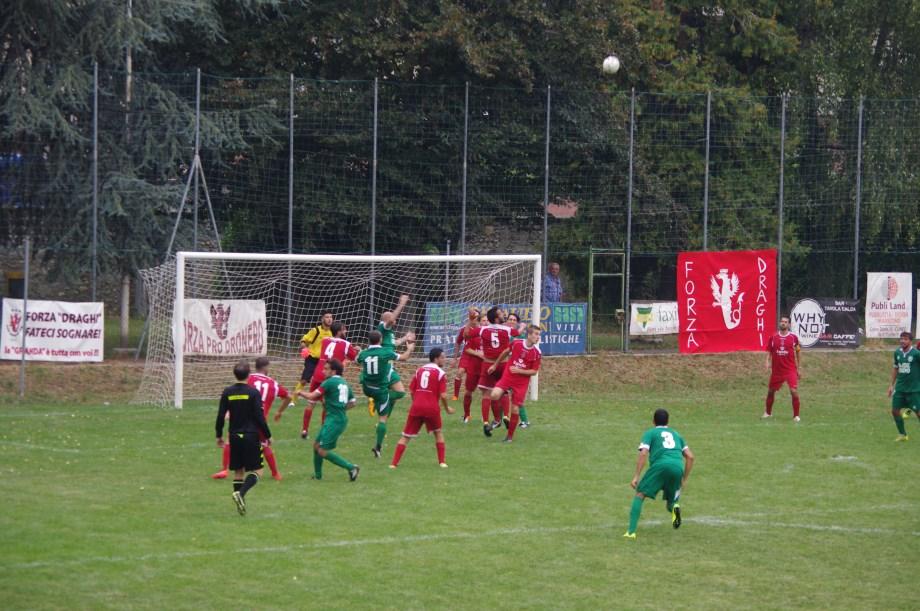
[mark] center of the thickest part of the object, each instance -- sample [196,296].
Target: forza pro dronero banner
[726,301]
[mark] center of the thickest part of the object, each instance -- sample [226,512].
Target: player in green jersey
[670,461]
[377,375]
[904,388]
[387,329]
[337,397]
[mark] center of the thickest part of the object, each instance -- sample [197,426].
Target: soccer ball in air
[611,64]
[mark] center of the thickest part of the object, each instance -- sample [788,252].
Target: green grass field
[112,506]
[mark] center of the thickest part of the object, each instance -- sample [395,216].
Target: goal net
[209,310]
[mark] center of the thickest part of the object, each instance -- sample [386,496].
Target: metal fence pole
[782,185]
[447,275]
[466,135]
[27,247]
[95,246]
[706,174]
[197,149]
[546,181]
[629,198]
[374,175]
[859,146]
[290,279]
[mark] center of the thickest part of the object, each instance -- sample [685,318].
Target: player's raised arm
[403,300]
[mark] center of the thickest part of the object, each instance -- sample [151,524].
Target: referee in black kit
[244,404]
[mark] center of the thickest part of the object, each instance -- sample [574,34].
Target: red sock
[515,418]
[307,414]
[456,387]
[397,455]
[496,410]
[225,461]
[440,447]
[769,404]
[467,401]
[506,405]
[270,459]
[486,402]
[795,407]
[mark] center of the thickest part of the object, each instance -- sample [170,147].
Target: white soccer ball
[611,64]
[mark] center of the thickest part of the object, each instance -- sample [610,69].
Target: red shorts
[431,420]
[518,386]
[315,381]
[790,377]
[488,380]
[472,375]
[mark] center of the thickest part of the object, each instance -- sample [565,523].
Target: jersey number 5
[494,340]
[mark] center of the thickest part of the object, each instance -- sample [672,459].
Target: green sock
[381,433]
[396,395]
[899,422]
[634,512]
[523,412]
[317,465]
[338,461]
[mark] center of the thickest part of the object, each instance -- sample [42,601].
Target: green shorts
[329,434]
[381,396]
[394,376]
[900,400]
[662,477]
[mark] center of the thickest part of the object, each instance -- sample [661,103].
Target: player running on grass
[377,381]
[338,397]
[904,388]
[519,331]
[429,395]
[783,361]
[245,430]
[496,338]
[268,389]
[523,363]
[670,461]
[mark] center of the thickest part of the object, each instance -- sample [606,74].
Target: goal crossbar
[183,257]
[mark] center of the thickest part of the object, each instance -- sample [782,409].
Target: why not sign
[726,301]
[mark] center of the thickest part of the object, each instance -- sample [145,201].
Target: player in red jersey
[467,359]
[269,389]
[334,347]
[429,395]
[496,338]
[463,336]
[783,362]
[523,363]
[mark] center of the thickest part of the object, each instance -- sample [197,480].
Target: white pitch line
[283,549]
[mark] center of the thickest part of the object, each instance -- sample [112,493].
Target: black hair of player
[241,371]
[374,337]
[661,417]
[336,366]
[261,363]
[336,327]
[907,334]
[330,312]
[492,314]
[434,353]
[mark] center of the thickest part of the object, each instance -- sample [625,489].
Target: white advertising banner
[889,303]
[54,331]
[653,318]
[224,327]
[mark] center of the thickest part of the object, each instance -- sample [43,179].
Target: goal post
[208,310]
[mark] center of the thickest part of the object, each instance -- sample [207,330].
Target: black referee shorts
[309,366]
[245,451]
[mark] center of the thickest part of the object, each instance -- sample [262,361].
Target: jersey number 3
[667,440]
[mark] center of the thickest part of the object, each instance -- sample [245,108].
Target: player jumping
[377,380]
[523,364]
[496,338]
[468,358]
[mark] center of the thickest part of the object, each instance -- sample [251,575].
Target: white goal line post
[184,256]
